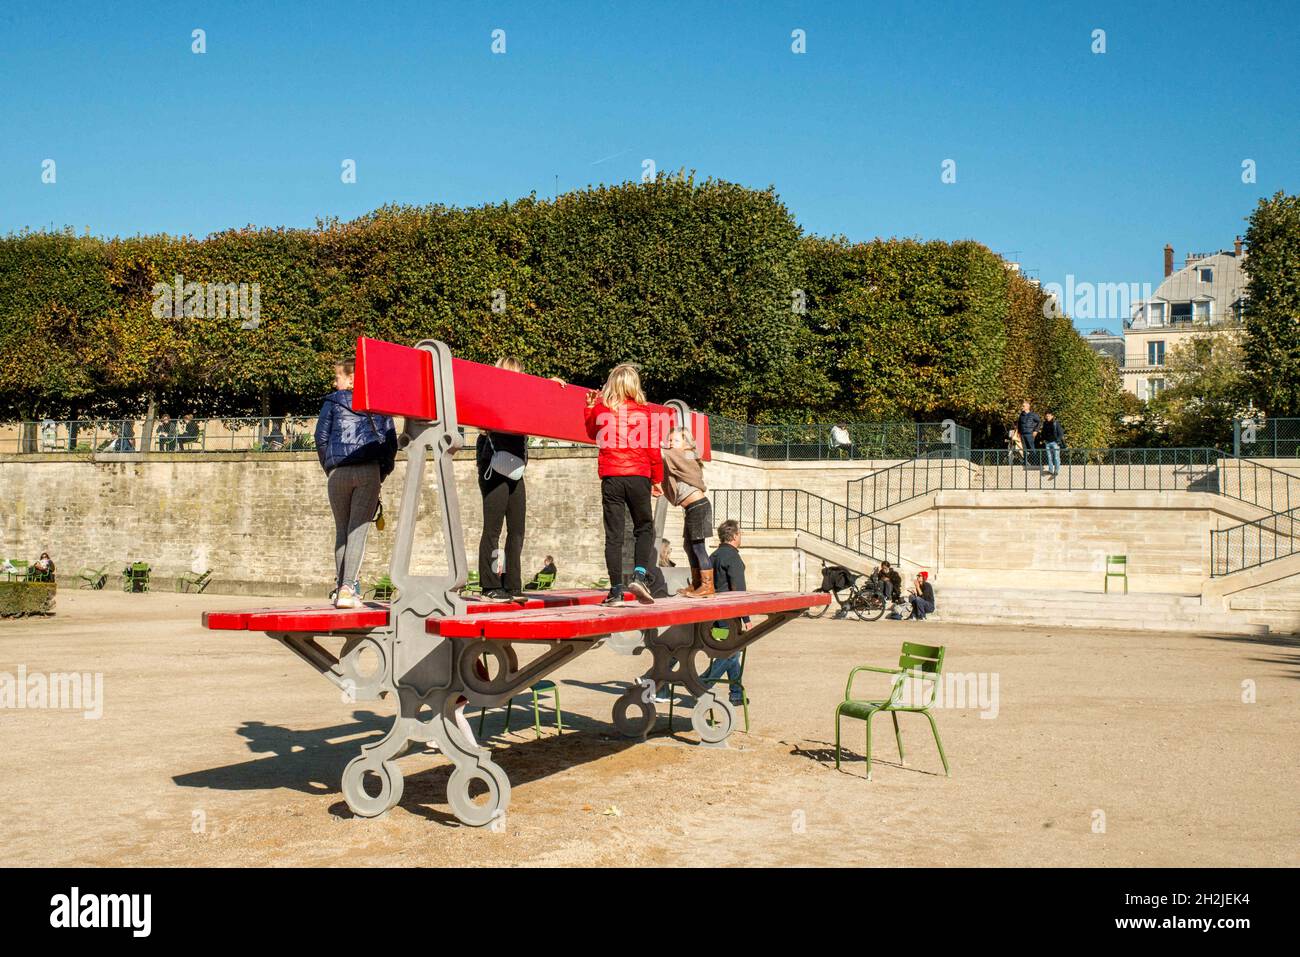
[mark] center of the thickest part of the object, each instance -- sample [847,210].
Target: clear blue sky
[1078,163]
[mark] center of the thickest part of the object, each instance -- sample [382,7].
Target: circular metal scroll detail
[477,813]
[360,801]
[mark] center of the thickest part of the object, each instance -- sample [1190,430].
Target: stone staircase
[1136,611]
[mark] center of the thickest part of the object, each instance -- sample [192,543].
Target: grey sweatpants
[354,497]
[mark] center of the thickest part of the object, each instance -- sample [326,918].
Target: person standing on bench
[631,470]
[684,486]
[729,575]
[501,460]
[357,451]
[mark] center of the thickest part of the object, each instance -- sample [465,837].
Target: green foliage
[710,287]
[1207,389]
[1272,319]
[19,598]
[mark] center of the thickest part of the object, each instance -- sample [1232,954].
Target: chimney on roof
[1237,248]
[1169,260]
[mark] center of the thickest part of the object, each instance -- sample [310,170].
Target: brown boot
[689,590]
[705,588]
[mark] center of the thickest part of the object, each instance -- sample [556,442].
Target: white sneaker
[346,598]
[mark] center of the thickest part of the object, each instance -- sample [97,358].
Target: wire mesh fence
[1254,543]
[831,441]
[187,434]
[988,470]
[1262,438]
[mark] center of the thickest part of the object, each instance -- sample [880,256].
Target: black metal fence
[815,442]
[798,510]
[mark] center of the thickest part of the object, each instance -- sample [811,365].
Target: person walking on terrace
[1053,437]
[357,450]
[1028,424]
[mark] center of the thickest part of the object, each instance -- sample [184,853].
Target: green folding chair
[135,577]
[190,581]
[545,686]
[381,590]
[542,582]
[472,586]
[1116,561]
[720,634]
[922,663]
[93,578]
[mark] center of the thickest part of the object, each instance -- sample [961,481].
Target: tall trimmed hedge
[710,286]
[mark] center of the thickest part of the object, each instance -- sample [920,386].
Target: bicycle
[866,601]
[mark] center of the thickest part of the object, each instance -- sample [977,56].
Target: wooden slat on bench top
[323,619]
[546,624]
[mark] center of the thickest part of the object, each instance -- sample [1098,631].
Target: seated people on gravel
[43,570]
[922,598]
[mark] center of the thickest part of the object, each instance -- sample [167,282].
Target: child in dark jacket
[357,450]
[631,470]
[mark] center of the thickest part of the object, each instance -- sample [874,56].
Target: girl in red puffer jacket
[631,470]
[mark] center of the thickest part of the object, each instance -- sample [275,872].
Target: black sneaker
[499,594]
[615,596]
[641,589]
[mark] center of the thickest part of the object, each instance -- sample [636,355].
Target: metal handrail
[1254,543]
[797,509]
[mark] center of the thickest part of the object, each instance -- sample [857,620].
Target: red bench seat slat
[546,624]
[324,619]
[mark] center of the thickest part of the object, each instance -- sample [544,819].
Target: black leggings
[698,555]
[503,501]
[620,494]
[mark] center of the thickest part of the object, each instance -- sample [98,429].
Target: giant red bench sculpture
[433,647]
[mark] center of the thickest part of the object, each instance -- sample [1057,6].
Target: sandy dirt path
[224,749]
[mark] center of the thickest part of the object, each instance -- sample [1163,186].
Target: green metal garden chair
[1120,562]
[545,686]
[381,590]
[917,663]
[191,581]
[135,577]
[472,586]
[542,581]
[720,634]
[93,578]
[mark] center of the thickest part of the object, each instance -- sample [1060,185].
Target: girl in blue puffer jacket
[357,451]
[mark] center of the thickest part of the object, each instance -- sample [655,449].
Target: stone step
[1212,627]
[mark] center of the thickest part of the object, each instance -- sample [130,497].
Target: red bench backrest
[398,380]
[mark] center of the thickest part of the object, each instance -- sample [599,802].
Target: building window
[1156,313]
[1207,274]
[1155,387]
[1156,352]
[1201,311]
[1181,312]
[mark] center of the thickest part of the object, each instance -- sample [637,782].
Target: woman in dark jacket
[500,458]
[357,450]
